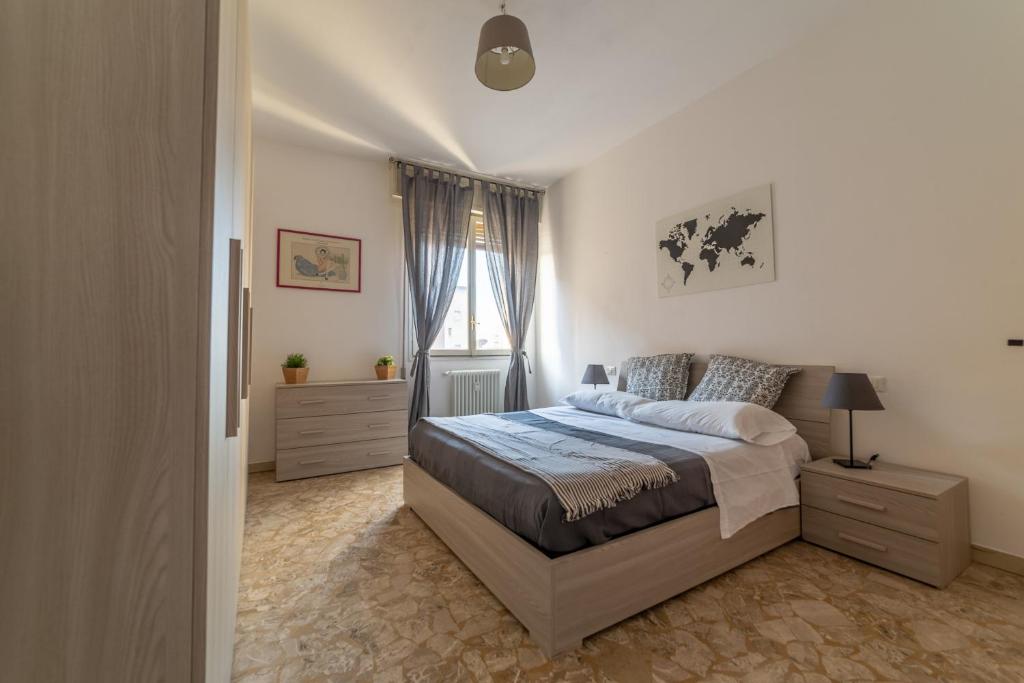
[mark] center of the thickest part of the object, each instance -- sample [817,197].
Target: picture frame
[724,243]
[314,260]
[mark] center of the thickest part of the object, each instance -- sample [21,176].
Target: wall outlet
[879,383]
[610,370]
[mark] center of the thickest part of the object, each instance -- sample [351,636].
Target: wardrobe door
[103,409]
[222,494]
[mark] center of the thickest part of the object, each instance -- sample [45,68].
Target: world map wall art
[724,243]
[311,260]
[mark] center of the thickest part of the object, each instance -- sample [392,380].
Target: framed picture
[724,243]
[311,260]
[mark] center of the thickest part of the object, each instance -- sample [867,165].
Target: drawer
[898,552]
[905,512]
[339,399]
[317,460]
[327,429]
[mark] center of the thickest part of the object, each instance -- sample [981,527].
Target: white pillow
[615,403]
[730,419]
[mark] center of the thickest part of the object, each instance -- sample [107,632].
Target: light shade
[504,31]
[851,391]
[594,374]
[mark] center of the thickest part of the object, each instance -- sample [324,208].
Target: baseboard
[998,559]
[267,466]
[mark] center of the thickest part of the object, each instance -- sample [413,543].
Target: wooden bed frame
[562,600]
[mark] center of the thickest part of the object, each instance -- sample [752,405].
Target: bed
[565,584]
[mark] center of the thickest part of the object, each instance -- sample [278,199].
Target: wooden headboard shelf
[800,402]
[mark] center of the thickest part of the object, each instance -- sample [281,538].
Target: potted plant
[295,369]
[385,367]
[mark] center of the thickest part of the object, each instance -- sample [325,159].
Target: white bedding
[749,481]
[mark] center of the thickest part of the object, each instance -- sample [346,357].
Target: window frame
[472,351]
[474,246]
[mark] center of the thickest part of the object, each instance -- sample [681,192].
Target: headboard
[800,402]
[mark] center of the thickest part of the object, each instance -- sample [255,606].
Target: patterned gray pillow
[659,378]
[738,379]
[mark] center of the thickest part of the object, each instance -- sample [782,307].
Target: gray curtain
[435,214]
[511,216]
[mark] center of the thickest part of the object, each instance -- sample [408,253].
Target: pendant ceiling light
[504,58]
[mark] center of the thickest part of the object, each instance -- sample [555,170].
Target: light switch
[879,383]
[610,370]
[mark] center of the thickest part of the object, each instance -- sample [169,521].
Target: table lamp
[595,375]
[851,391]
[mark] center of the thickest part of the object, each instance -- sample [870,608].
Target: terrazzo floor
[341,583]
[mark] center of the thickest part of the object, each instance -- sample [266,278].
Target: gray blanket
[526,505]
[587,471]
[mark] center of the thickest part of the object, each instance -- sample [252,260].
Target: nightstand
[910,521]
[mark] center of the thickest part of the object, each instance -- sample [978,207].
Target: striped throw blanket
[585,475]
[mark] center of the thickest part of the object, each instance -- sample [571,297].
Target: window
[473,326]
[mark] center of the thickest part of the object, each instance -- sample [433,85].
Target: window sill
[463,355]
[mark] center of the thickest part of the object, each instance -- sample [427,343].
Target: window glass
[490,333]
[454,335]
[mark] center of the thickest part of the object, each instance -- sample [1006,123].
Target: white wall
[895,144]
[342,334]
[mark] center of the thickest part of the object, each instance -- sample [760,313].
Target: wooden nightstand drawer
[914,557]
[906,512]
[310,400]
[912,521]
[317,460]
[299,432]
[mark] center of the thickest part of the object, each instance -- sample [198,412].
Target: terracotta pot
[295,375]
[385,371]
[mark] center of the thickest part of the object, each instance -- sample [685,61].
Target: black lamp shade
[595,375]
[851,391]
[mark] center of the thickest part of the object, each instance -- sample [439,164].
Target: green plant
[386,360]
[295,360]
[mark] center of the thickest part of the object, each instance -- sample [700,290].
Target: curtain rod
[475,176]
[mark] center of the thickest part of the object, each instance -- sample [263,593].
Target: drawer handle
[379,425]
[860,541]
[376,453]
[862,503]
[377,398]
[312,462]
[311,401]
[311,432]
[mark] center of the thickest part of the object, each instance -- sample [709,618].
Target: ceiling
[378,77]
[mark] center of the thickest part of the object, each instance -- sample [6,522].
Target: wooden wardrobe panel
[102,132]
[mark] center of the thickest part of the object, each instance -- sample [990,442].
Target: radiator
[475,391]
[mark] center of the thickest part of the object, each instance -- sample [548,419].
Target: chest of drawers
[330,427]
[910,521]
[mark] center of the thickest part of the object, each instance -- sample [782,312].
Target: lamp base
[852,464]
